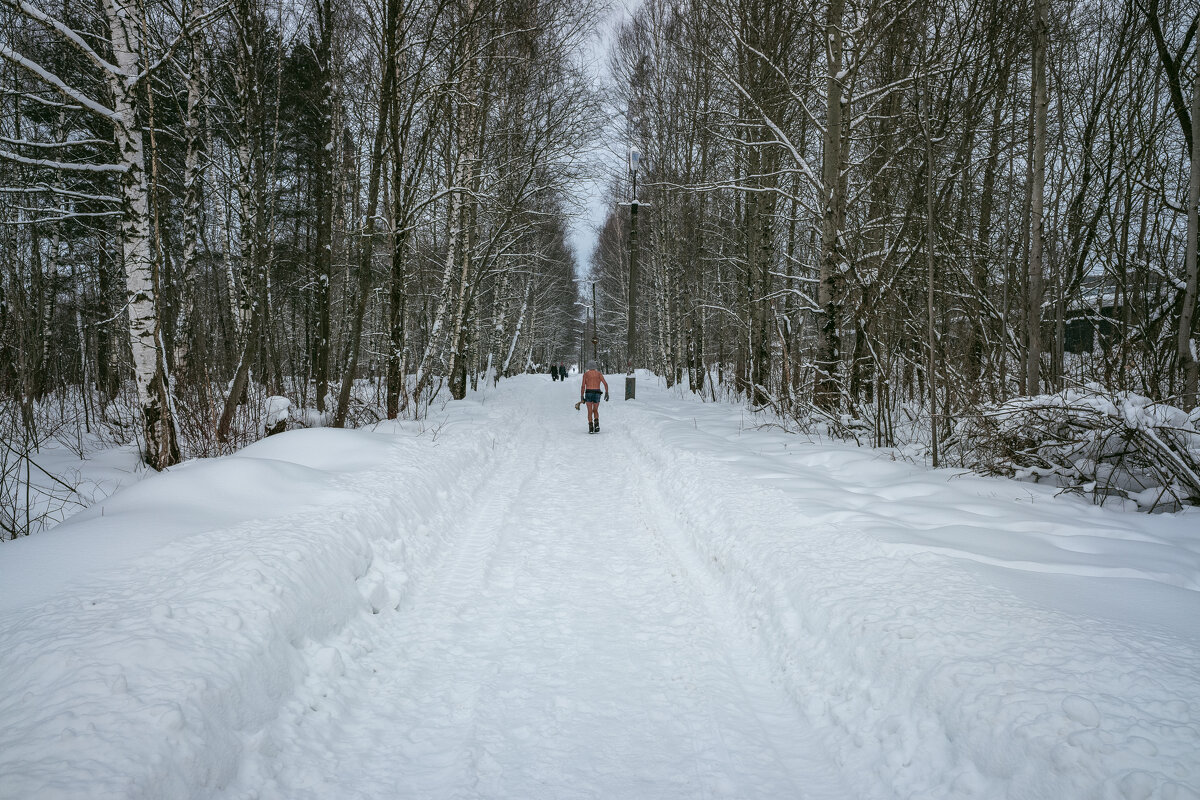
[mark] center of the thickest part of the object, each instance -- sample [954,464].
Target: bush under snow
[1101,443]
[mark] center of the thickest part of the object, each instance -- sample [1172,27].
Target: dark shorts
[592,396]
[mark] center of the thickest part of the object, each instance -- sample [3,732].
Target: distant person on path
[554,372]
[589,392]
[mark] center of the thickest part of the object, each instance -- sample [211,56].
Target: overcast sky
[584,226]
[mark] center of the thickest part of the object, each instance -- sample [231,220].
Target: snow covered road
[494,604]
[561,649]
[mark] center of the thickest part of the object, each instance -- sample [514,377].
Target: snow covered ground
[494,604]
[57,480]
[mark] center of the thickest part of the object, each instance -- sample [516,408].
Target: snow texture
[493,603]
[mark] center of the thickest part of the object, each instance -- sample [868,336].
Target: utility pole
[630,379]
[595,326]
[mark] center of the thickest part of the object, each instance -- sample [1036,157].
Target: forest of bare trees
[207,203]
[885,217]
[891,214]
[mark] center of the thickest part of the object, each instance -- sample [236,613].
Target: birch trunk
[499,322]
[516,337]
[457,250]
[930,264]
[664,321]
[231,282]
[162,449]
[433,344]
[241,376]
[251,190]
[81,336]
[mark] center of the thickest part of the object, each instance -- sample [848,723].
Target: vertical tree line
[864,210]
[872,213]
[355,206]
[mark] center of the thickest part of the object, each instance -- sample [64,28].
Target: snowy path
[566,647]
[446,609]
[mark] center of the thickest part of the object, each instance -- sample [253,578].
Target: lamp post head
[635,159]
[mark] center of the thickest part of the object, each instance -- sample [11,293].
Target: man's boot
[597,424]
[591,427]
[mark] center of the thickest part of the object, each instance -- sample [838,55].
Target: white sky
[584,227]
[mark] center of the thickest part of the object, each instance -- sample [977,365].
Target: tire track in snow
[413,732]
[928,681]
[547,655]
[465,568]
[448,615]
[333,739]
[757,680]
[697,634]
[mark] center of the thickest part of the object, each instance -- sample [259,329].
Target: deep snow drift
[492,603]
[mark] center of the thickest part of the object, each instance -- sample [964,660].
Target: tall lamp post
[583,337]
[630,380]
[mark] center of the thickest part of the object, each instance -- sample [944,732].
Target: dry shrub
[1092,441]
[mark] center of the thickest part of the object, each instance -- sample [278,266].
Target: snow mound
[146,639]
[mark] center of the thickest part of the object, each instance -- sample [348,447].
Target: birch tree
[126,78]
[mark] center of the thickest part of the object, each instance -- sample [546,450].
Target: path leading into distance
[567,646]
[491,603]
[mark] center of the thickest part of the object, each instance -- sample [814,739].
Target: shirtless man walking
[589,392]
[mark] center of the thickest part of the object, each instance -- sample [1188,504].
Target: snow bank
[146,639]
[958,636]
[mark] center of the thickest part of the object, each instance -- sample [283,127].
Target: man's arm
[582,384]
[605,386]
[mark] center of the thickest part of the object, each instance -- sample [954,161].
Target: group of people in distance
[558,372]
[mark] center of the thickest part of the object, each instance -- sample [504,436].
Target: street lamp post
[589,320]
[583,339]
[630,380]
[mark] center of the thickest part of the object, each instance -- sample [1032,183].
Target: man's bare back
[592,379]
